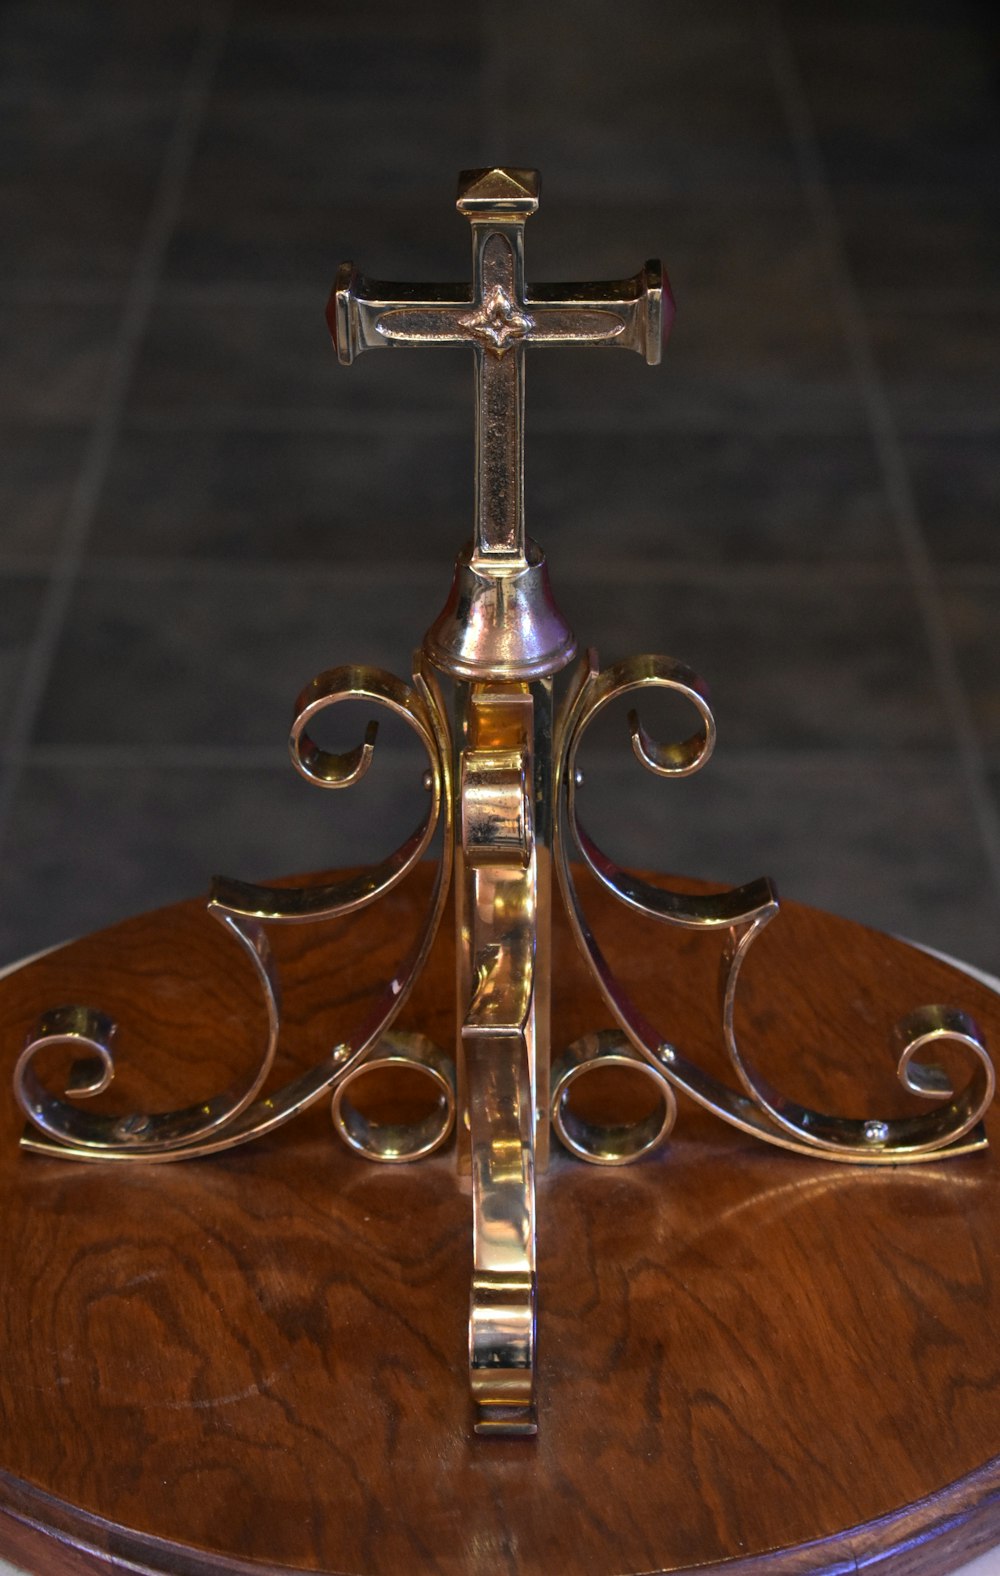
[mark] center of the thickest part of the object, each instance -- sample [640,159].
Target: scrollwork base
[504,789]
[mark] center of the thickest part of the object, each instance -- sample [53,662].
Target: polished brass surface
[395,1142]
[607,1143]
[496,880]
[500,620]
[497,317]
[501,623]
[503,796]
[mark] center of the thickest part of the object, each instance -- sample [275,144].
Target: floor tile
[941,372]
[278,14]
[257,149]
[173,658]
[756,341]
[98,844]
[283,238]
[796,663]
[764,372]
[305,54]
[741,259]
[224,359]
[695,113]
[38,471]
[690,497]
[329,498]
[390,493]
[20,603]
[76,185]
[265,200]
[107,47]
[889,842]
[53,360]
[956,484]
[929,13]
[890,113]
[973,613]
[909,241]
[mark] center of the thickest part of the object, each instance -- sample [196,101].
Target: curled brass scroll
[954,1127]
[242,1112]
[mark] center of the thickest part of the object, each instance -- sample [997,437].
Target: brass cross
[497,317]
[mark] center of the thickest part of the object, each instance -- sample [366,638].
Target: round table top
[260,1358]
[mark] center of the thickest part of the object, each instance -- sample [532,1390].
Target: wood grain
[744,1355]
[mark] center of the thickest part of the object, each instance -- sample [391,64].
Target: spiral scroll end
[681,757]
[926,1028]
[326,769]
[92,1031]
[89,1075]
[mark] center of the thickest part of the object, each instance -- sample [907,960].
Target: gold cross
[498,317]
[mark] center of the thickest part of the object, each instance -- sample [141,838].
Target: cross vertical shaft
[499,509]
[500,327]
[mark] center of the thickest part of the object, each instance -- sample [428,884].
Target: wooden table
[260,1358]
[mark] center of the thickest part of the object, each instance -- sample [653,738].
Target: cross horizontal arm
[373,314]
[357,305]
[641,312]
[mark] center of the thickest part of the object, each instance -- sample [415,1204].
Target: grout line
[235,292]
[428,573]
[63,292]
[138,756]
[898,486]
[935,303]
[136,311]
[176,757]
[964,572]
[407,420]
[492,97]
[641,419]
[431,572]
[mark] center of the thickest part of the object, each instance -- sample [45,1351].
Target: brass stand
[503,780]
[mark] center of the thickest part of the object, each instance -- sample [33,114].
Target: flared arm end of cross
[340,319]
[660,310]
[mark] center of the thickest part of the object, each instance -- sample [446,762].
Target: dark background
[201,508]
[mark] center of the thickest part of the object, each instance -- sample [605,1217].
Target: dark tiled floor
[90,177]
[53,361]
[956,483]
[832,827]
[201,508]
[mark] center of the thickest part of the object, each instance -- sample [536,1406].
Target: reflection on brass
[500,792]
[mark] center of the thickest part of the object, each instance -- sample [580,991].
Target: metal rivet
[132,1126]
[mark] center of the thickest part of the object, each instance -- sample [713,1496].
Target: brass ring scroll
[395,1142]
[607,1143]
